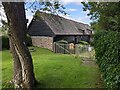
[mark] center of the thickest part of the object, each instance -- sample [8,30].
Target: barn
[45,29]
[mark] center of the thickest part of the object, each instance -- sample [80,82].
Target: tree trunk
[17,76]
[15,13]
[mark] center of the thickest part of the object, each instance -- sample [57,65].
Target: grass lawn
[55,70]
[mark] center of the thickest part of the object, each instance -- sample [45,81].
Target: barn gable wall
[39,27]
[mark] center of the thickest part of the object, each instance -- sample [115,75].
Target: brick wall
[42,41]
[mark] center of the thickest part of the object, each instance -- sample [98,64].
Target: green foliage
[104,14]
[96,27]
[83,43]
[28,40]
[107,48]
[62,41]
[53,7]
[5,42]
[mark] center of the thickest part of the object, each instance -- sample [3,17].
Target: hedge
[5,41]
[107,48]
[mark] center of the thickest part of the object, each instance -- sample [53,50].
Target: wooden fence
[63,48]
[71,48]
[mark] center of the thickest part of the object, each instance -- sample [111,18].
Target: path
[88,59]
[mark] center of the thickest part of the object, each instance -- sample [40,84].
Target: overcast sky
[73,8]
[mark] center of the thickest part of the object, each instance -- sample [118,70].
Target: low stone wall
[42,41]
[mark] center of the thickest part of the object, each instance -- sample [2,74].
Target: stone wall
[42,41]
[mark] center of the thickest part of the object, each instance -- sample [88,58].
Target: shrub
[28,41]
[107,48]
[91,40]
[83,43]
[62,41]
[5,42]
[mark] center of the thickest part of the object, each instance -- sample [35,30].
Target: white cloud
[72,10]
[85,20]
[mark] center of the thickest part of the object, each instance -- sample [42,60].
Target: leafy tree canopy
[105,15]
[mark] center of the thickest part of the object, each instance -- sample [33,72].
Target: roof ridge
[62,17]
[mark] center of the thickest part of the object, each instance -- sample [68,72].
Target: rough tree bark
[15,13]
[17,69]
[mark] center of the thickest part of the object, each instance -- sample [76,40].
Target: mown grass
[54,70]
